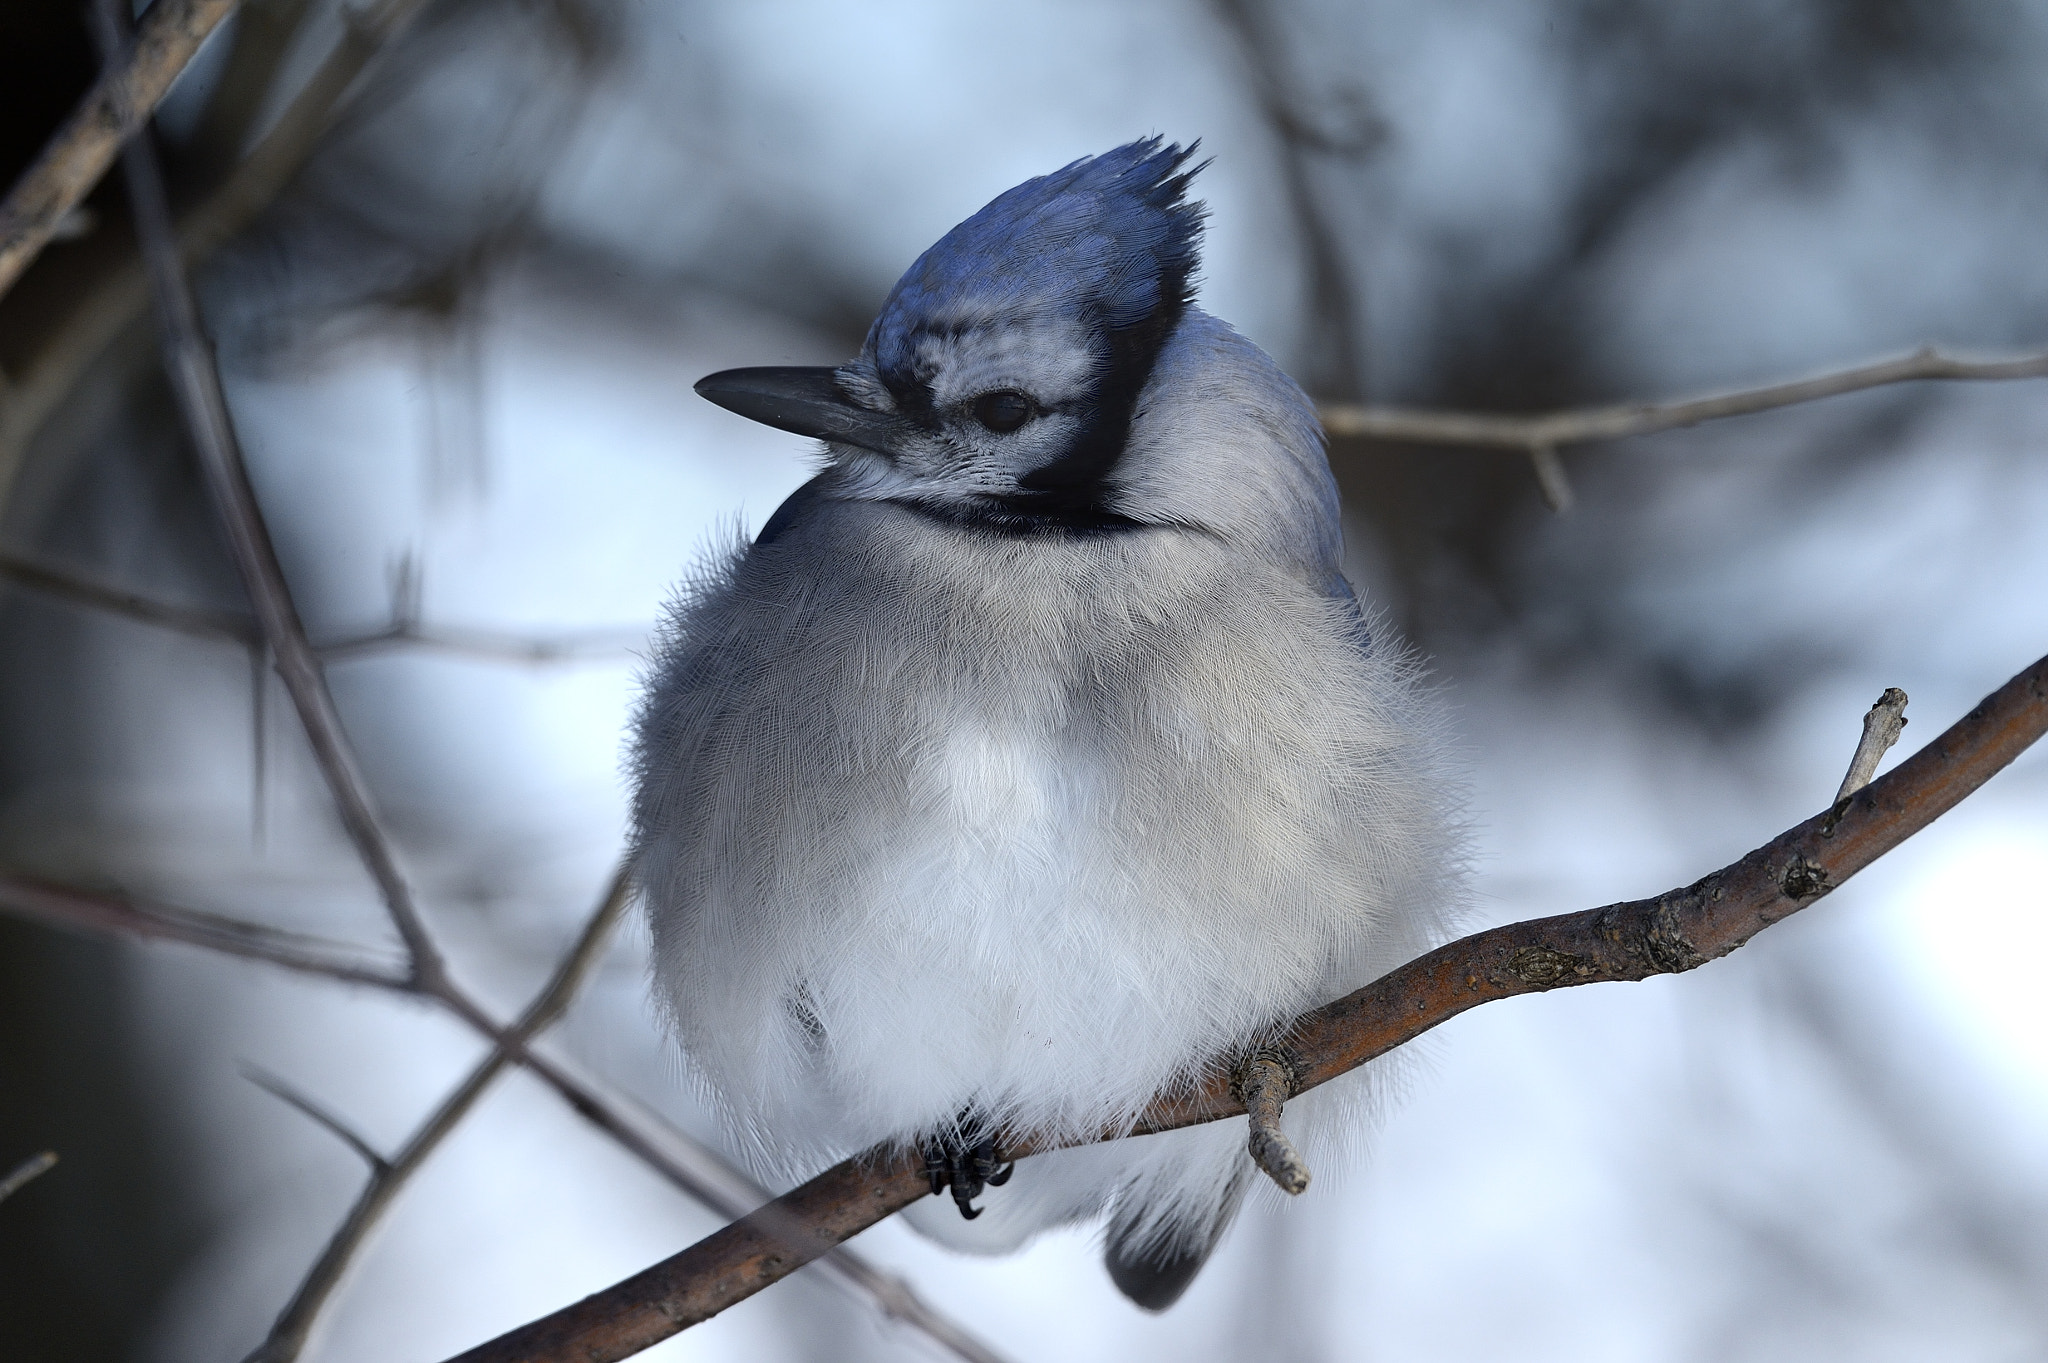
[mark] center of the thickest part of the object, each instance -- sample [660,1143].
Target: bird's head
[1001,377]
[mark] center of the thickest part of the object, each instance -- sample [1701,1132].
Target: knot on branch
[1804,879]
[1542,965]
[1665,939]
[1266,1081]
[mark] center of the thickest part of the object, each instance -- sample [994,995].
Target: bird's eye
[1003,410]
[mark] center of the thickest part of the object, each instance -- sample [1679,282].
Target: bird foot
[952,1163]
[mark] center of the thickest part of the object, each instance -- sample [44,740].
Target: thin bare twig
[1264,1085]
[188,358]
[1673,932]
[484,643]
[1580,425]
[288,1336]
[27,1172]
[693,1168]
[235,628]
[81,590]
[1551,479]
[1881,728]
[75,910]
[1335,341]
[119,103]
[318,1115]
[91,325]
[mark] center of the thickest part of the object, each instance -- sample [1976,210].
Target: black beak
[805,402]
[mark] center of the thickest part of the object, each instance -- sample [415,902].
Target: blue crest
[1109,238]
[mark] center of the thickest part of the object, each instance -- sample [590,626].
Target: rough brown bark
[1673,932]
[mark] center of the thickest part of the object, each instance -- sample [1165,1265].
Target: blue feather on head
[1109,239]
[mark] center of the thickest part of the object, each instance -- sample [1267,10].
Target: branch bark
[120,102]
[1674,932]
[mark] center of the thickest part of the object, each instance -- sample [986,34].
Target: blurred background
[458,311]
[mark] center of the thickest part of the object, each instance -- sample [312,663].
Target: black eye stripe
[1003,410]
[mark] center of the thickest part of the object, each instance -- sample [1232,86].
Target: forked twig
[1673,932]
[288,1336]
[188,359]
[1540,436]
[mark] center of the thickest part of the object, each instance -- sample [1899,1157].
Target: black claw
[965,1170]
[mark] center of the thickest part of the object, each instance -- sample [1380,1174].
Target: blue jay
[1035,758]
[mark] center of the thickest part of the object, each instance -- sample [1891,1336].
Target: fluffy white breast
[1037,826]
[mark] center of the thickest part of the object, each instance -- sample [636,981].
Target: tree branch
[27,1172]
[1548,431]
[288,1336]
[115,300]
[319,1116]
[1881,728]
[195,379]
[79,590]
[111,915]
[235,628]
[118,103]
[1673,932]
[694,1169]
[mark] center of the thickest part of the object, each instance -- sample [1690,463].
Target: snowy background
[459,352]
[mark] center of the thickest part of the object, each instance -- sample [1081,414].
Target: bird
[1036,758]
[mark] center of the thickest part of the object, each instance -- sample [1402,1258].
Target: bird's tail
[1154,1270]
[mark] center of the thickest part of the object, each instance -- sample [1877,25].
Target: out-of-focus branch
[1581,425]
[118,103]
[188,358]
[692,1168]
[483,643]
[1335,343]
[318,1115]
[74,910]
[263,36]
[97,319]
[387,1177]
[80,590]
[232,627]
[1673,932]
[27,1172]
